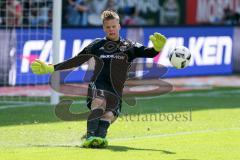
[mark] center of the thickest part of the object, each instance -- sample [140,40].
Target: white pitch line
[20,106]
[76,144]
[32,105]
[219,94]
[173,134]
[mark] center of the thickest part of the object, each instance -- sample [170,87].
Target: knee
[108,116]
[98,102]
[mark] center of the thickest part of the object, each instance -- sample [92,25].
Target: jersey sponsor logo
[112,56]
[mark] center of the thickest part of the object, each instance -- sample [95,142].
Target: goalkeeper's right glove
[39,67]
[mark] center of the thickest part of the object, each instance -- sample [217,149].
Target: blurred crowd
[132,12]
[146,12]
[26,12]
[87,12]
[231,17]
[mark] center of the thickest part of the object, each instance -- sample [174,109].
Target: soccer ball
[180,57]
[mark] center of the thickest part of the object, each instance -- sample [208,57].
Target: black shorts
[103,90]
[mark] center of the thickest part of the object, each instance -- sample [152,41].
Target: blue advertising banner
[211,48]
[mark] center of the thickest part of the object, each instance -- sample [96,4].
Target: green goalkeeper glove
[39,67]
[158,41]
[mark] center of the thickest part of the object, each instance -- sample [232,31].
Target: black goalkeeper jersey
[112,61]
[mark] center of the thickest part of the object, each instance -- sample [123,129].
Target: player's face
[111,28]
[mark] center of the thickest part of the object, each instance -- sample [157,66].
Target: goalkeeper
[101,88]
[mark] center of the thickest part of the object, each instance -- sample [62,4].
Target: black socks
[96,126]
[102,128]
[93,122]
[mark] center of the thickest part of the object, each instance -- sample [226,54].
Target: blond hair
[109,14]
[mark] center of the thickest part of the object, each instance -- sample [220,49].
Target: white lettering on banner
[215,50]
[30,46]
[210,51]
[227,43]
[46,51]
[195,45]
[213,10]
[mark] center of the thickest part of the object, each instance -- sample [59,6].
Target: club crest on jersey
[123,48]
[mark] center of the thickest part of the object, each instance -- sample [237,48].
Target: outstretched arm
[40,67]
[73,62]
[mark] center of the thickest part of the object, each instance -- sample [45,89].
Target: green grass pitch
[192,125]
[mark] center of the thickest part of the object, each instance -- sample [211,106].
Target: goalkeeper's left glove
[39,67]
[158,41]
